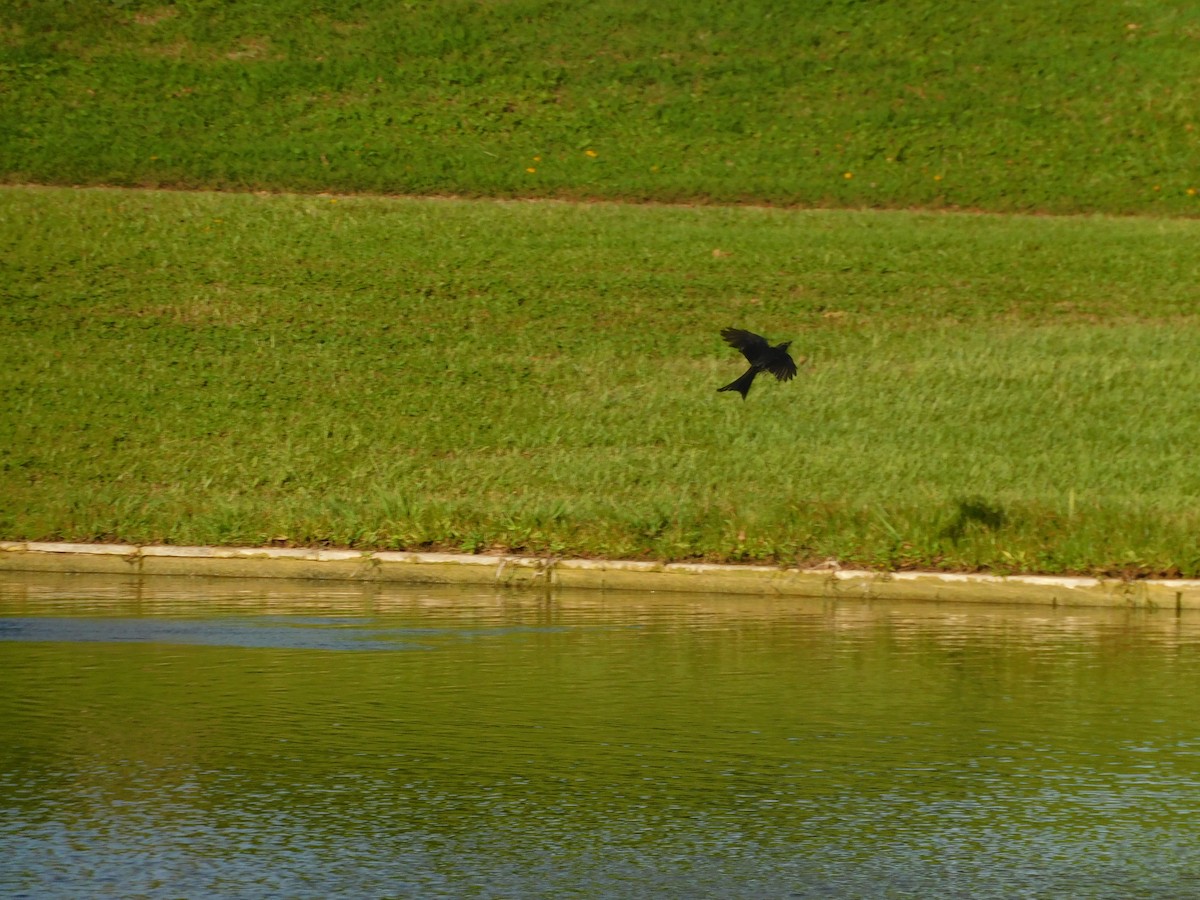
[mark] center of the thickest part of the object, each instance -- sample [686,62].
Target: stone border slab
[633,575]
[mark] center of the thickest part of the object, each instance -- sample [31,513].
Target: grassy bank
[1016,106]
[1010,393]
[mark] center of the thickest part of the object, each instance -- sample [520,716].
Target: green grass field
[301,360]
[982,392]
[1019,106]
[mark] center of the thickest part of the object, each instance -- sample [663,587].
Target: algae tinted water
[246,740]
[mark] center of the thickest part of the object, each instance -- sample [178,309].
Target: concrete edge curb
[544,574]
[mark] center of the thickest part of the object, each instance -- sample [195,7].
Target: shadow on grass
[974,513]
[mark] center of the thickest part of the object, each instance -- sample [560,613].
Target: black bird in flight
[761,356]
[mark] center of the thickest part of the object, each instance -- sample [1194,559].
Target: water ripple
[224,742]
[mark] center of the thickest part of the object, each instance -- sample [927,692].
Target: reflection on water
[237,739]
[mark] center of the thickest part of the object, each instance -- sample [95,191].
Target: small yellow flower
[333,200]
[591,153]
[848,175]
[530,169]
[537,159]
[1191,192]
[1158,187]
[937,177]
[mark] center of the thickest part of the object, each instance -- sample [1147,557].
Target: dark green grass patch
[1016,106]
[1004,393]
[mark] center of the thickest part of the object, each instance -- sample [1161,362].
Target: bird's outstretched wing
[784,369]
[752,345]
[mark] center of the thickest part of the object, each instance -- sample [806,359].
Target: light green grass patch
[1002,393]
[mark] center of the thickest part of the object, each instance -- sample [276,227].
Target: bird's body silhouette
[761,356]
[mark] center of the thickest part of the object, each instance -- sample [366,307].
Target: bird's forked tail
[741,385]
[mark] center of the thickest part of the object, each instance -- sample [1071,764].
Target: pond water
[202,738]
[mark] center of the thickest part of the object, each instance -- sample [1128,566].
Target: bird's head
[785,345]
